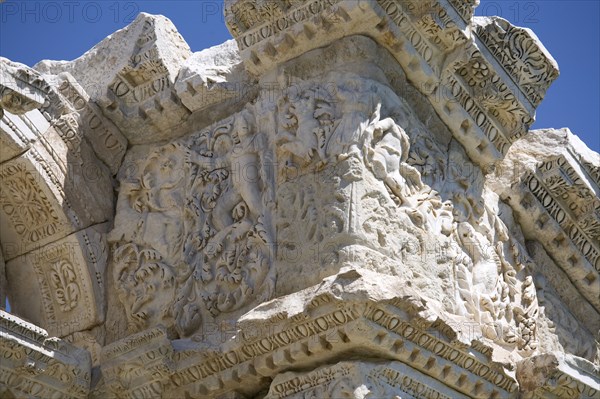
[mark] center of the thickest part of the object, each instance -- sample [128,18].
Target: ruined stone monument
[345,201]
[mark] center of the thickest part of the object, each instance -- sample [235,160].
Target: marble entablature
[344,201]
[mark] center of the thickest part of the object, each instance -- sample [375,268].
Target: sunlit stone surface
[345,201]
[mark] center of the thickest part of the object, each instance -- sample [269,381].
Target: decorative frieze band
[327,327]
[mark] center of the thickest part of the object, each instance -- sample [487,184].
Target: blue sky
[34,30]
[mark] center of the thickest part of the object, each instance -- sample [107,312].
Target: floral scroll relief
[306,124]
[146,284]
[65,284]
[202,229]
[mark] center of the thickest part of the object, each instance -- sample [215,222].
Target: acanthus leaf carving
[521,54]
[64,282]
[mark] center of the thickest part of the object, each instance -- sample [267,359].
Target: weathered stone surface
[49,192]
[213,76]
[344,201]
[144,60]
[68,275]
[549,179]
[359,380]
[559,375]
[457,70]
[353,312]
[35,365]
[508,44]
[18,132]
[17,93]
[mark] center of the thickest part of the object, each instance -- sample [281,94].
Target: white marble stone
[343,201]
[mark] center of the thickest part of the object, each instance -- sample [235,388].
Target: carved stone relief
[358,380]
[524,57]
[195,226]
[70,282]
[27,209]
[345,201]
[36,365]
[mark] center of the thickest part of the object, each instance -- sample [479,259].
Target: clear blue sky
[34,30]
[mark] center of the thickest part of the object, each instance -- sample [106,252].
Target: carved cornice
[139,365]
[323,329]
[466,8]
[105,138]
[384,381]
[561,197]
[556,199]
[215,77]
[18,93]
[323,337]
[143,90]
[555,375]
[521,54]
[67,107]
[36,365]
[485,96]
[578,195]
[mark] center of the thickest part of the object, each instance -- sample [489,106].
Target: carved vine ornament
[369,219]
